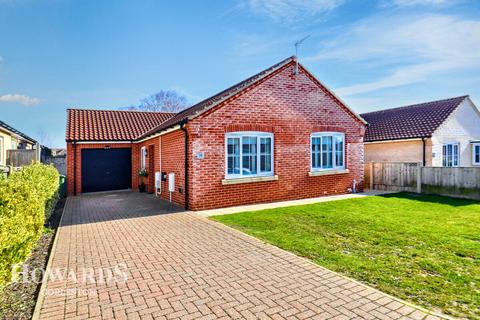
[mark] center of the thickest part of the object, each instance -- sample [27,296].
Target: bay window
[327,151]
[249,154]
[450,152]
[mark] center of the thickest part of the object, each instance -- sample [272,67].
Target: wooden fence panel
[20,158]
[458,182]
[392,176]
[413,177]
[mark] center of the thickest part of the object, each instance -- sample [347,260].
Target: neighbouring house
[12,139]
[278,135]
[58,152]
[438,133]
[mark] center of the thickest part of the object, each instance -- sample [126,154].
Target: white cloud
[19,98]
[406,49]
[408,3]
[291,10]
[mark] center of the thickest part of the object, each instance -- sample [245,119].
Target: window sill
[249,180]
[327,172]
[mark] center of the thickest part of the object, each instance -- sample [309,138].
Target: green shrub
[27,197]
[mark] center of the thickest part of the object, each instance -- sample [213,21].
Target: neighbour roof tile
[111,125]
[414,121]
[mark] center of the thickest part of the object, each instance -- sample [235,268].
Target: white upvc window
[248,154]
[476,154]
[143,158]
[451,154]
[327,151]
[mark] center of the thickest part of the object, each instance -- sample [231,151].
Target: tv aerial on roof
[297,43]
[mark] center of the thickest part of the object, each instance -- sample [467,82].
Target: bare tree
[163,101]
[44,137]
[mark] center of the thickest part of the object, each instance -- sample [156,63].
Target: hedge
[27,198]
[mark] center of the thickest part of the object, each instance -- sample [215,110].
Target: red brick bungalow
[278,135]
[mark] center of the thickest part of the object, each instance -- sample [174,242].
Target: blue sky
[104,54]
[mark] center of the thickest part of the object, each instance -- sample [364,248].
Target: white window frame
[143,158]
[458,156]
[258,135]
[474,146]
[334,165]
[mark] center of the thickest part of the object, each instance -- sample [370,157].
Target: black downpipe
[74,168]
[182,127]
[424,152]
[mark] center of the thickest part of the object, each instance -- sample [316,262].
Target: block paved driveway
[179,265]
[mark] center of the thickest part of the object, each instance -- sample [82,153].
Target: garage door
[106,169]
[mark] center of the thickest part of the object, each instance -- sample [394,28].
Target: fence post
[38,153]
[419,177]
[371,175]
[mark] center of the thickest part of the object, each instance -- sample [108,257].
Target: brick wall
[152,157]
[168,156]
[292,107]
[172,145]
[78,148]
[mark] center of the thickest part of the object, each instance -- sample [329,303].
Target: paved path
[289,203]
[179,265]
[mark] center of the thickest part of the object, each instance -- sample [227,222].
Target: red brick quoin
[290,106]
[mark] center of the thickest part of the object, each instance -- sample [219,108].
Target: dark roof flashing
[15,131]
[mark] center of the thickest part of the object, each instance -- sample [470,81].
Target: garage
[106,169]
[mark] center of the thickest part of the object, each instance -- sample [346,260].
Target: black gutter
[74,168]
[424,152]
[182,127]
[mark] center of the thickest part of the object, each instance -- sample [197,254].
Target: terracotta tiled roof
[111,125]
[415,121]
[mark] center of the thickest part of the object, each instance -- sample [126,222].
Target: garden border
[43,287]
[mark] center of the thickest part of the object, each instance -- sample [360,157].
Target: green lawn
[425,249]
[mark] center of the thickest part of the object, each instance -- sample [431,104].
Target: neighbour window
[476,153]
[327,151]
[143,156]
[451,155]
[249,154]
